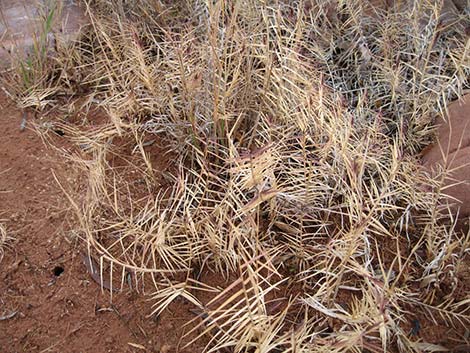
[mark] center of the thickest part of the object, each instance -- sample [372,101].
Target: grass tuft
[277,142]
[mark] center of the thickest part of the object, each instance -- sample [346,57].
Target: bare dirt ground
[44,284]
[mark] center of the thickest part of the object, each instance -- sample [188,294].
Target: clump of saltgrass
[290,134]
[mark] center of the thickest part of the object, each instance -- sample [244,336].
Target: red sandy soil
[69,312]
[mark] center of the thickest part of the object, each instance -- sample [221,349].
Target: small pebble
[165,348]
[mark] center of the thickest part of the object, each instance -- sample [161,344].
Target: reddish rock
[452,151]
[22,26]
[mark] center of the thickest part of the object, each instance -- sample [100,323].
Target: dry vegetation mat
[275,144]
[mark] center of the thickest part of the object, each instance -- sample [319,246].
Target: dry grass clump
[277,141]
[5,239]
